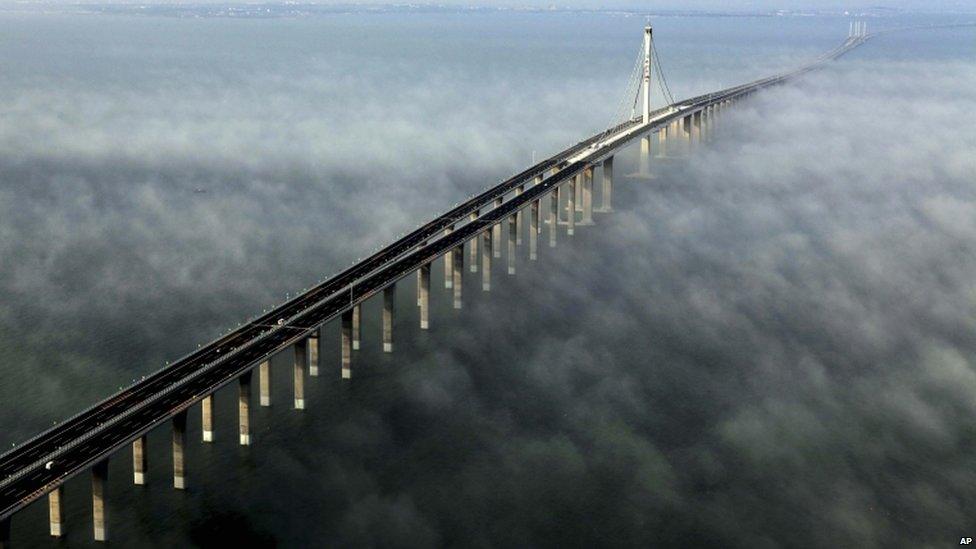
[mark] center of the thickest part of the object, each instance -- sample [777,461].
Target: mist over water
[768,344]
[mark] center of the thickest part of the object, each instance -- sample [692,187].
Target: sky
[770,343]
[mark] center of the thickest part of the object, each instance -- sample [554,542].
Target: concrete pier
[458,272]
[518,218]
[486,260]
[578,196]
[662,138]
[559,193]
[587,218]
[496,235]
[140,455]
[264,383]
[553,216]
[206,417]
[706,123]
[571,208]
[645,156]
[423,276]
[448,266]
[606,197]
[99,483]
[512,238]
[389,306]
[345,344]
[473,248]
[301,360]
[676,136]
[244,406]
[179,446]
[534,230]
[313,354]
[696,122]
[357,315]
[54,511]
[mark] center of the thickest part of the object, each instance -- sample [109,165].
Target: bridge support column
[606,197]
[662,142]
[448,264]
[140,453]
[512,238]
[423,278]
[518,218]
[418,287]
[571,209]
[313,354]
[587,197]
[486,260]
[473,247]
[298,372]
[244,405]
[179,445]
[496,234]
[99,482]
[54,510]
[559,193]
[206,416]
[534,230]
[357,316]
[578,196]
[645,156]
[696,128]
[458,272]
[264,383]
[389,303]
[345,344]
[703,116]
[712,121]
[676,132]
[5,533]
[553,216]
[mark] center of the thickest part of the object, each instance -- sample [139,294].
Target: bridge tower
[647,74]
[643,169]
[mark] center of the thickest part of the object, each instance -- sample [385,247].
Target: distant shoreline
[294,9]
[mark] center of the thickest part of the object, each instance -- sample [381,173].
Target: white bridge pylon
[647,74]
[648,118]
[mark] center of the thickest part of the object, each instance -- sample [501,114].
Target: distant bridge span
[39,466]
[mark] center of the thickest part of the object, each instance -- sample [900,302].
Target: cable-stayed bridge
[553,194]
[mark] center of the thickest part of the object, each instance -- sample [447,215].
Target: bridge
[555,193]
